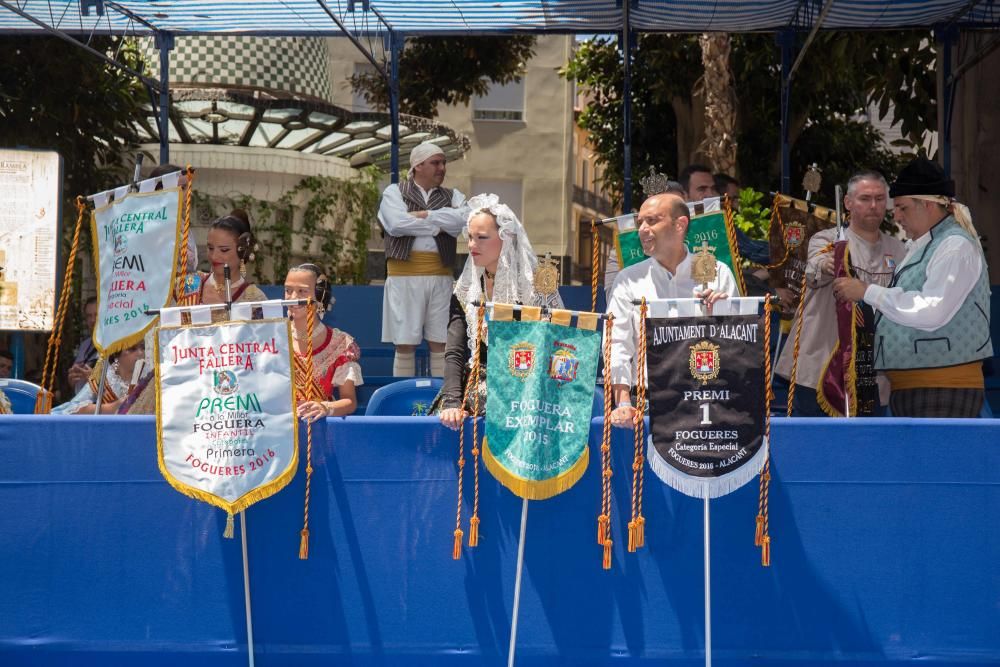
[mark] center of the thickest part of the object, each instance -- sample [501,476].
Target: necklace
[489,274]
[220,290]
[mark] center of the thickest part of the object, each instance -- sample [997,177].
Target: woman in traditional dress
[120,380]
[501,268]
[230,242]
[330,390]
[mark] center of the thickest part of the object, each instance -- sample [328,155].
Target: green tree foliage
[55,96]
[449,70]
[841,74]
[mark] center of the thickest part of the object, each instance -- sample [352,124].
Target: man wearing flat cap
[932,323]
[421,220]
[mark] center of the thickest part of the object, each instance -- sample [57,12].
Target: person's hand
[623,416]
[709,297]
[79,373]
[419,214]
[312,411]
[453,417]
[786,298]
[849,290]
[826,265]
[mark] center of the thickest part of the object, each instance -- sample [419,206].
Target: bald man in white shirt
[663,222]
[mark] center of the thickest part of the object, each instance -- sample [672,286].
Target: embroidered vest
[398,247]
[965,338]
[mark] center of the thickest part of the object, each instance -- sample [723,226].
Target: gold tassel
[304,544]
[474,531]
[631,536]
[230,528]
[602,528]
[640,532]
[607,554]
[759,536]
[765,551]
[456,551]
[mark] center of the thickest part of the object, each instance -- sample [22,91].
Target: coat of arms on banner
[522,359]
[795,234]
[226,428]
[538,424]
[704,361]
[563,363]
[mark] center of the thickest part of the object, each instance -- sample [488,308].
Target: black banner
[707,403]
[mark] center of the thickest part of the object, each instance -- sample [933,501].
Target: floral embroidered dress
[335,361]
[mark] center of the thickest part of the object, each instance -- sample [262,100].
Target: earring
[243,269]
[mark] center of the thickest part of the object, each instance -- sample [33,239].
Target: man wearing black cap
[933,320]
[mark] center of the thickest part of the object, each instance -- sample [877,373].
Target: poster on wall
[31,192]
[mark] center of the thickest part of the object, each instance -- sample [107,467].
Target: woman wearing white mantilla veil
[500,268]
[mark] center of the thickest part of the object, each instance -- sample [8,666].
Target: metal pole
[626,46]
[165,43]
[246,586]
[517,584]
[786,40]
[17,350]
[946,40]
[395,51]
[708,588]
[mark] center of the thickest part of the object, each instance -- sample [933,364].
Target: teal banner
[629,248]
[540,383]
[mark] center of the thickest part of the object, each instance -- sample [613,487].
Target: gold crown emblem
[655,183]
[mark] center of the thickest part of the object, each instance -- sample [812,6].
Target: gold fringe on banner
[43,401]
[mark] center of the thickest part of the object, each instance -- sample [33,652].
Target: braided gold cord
[763,537]
[595,259]
[309,390]
[734,246]
[185,235]
[775,215]
[604,520]
[43,402]
[636,533]
[477,372]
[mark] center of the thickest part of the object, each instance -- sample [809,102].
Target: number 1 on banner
[705,419]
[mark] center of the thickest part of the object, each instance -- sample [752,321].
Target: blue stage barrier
[884,550]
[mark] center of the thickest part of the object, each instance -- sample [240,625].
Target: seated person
[230,241]
[117,384]
[500,268]
[331,391]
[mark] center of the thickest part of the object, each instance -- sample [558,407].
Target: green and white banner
[708,228]
[135,253]
[540,383]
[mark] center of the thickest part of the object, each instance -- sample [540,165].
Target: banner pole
[517,584]
[708,590]
[246,586]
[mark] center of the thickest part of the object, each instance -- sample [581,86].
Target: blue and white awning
[374,17]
